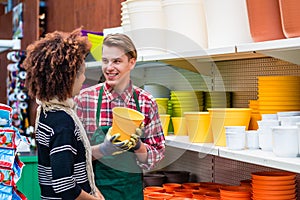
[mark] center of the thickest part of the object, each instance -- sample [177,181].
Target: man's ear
[132,62]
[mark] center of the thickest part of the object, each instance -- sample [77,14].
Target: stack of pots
[147,24]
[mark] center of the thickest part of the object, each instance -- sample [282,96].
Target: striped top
[61,157]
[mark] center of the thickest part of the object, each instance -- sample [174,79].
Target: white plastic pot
[285,141]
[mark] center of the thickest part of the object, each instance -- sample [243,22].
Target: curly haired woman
[55,73]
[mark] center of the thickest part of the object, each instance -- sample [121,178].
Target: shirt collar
[125,96]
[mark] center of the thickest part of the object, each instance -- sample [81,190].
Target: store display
[16,91]
[10,165]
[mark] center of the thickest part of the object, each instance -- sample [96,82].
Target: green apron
[118,177]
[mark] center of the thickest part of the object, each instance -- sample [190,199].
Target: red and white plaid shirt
[153,137]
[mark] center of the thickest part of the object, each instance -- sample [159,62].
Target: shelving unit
[14,44]
[259,157]
[284,49]
[244,60]
[201,62]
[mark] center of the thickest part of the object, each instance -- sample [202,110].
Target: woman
[55,73]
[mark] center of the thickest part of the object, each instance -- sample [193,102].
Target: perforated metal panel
[200,165]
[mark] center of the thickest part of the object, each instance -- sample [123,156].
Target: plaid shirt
[153,137]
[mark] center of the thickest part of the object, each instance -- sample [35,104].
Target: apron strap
[135,97]
[99,106]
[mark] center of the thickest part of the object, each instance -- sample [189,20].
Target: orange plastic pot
[264,20]
[171,187]
[235,192]
[158,196]
[191,185]
[290,14]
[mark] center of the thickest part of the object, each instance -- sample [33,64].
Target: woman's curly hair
[52,64]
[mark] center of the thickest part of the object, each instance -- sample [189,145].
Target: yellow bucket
[162,104]
[96,49]
[198,127]
[165,120]
[125,121]
[179,126]
[221,117]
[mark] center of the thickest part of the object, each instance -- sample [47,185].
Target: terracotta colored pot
[235,192]
[211,185]
[235,198]
[158,196]
[274,187]
[273,183]
[171,187]
[184,192]
[273,176]
[199,194]
[191,185]
[151,189]
[264,20]
[274,197]
[289,16]
[274,192]
[212,196]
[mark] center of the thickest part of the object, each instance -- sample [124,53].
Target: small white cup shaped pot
[252,139]
[285,141]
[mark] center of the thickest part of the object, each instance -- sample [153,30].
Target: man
[119,164]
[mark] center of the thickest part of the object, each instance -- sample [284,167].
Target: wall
[93,15]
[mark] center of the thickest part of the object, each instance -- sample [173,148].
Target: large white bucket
[227,23]
[147,24]
[185,24]
[125,20]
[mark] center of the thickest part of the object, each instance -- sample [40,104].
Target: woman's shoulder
[58,118]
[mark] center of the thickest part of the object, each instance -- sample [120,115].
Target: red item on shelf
[264,20]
